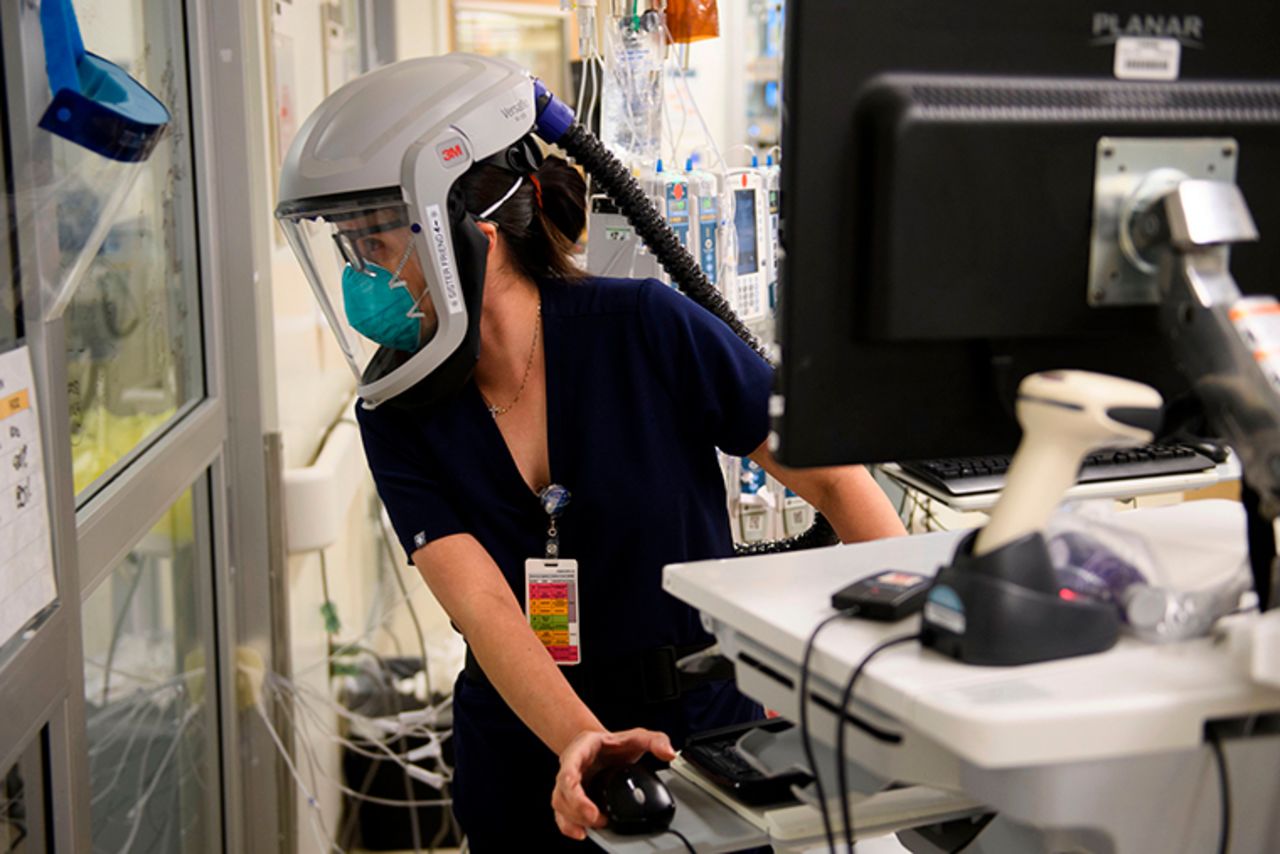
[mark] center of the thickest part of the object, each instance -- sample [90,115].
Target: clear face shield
[362,259]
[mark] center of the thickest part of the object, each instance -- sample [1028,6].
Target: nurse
[619,392]
[562,473]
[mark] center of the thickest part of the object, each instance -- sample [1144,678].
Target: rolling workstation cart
[1104,752]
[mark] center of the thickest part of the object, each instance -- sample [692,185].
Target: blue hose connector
[554,118]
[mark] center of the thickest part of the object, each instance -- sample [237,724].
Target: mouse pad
[709,825]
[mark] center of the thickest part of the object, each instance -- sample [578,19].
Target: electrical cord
[271,730]
[804,721]
[682,838]
[1224,791]
[116,628]
[842,777]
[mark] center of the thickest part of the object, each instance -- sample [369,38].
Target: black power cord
[683,838]
[804,721]
[846,814]
[1224,791]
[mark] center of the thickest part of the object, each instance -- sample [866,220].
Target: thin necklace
[495,411]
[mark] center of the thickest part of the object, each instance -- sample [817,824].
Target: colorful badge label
[552,607]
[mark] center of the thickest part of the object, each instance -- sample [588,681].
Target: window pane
[133,328]
[22,806]
[149,703]
[14,820]
[13,810]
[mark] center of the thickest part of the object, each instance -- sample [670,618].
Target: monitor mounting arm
[1222,341]
[1225,343]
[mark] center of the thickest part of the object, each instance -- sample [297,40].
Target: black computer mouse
[632,798]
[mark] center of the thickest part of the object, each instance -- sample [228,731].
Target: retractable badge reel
[551,588]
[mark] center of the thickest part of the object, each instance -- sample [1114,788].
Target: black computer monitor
[937,203]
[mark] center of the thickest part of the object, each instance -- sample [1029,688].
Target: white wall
[312,378]
[422,28]
[315,387]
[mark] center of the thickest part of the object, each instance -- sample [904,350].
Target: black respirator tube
[609,173]
[616,180]
[556,125]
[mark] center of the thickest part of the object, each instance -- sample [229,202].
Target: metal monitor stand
[1224,342]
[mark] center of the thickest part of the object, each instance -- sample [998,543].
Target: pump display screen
[744,223]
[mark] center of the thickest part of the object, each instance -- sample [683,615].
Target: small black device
[1006,607]
[632,798]
[889,595]
[715,755]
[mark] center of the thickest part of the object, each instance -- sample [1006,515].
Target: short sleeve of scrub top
[721,385]
[409,483]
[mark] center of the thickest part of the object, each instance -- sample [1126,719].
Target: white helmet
[370,204]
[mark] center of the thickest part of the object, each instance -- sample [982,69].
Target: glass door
[114,701]
[40,686]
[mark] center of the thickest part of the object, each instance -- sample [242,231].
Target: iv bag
[635,51]
[692,20]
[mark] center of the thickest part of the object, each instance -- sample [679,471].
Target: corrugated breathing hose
[610,174]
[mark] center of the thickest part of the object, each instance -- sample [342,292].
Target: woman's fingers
[588,752]
[569,829]
[630,745]
[574,810]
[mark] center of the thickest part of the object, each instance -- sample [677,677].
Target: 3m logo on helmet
[452,152]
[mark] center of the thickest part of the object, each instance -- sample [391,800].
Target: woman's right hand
[588,752]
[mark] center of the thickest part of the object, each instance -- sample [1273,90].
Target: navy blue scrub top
[642,386]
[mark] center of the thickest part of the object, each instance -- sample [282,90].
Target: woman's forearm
[519,667]
[848,496]
[472,590]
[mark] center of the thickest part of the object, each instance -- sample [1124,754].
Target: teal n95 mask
[381,308]
[379,303]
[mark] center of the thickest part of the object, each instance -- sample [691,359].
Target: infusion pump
[749,293]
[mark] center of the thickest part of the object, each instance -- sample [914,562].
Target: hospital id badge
[551,606]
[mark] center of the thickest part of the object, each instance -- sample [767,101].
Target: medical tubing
[652,228]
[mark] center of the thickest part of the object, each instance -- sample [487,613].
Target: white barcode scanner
[1065,415]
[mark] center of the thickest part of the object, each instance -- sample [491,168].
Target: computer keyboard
[715,756]
[971,475]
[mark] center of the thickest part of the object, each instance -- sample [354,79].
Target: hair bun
[563,196]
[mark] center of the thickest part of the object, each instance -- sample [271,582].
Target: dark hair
[541,222]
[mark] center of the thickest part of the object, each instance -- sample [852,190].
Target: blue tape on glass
[96,104]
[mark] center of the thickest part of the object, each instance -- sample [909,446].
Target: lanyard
[554,499]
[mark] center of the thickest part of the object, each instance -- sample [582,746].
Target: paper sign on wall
[26,555]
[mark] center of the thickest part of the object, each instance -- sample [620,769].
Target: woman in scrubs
[587,435]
